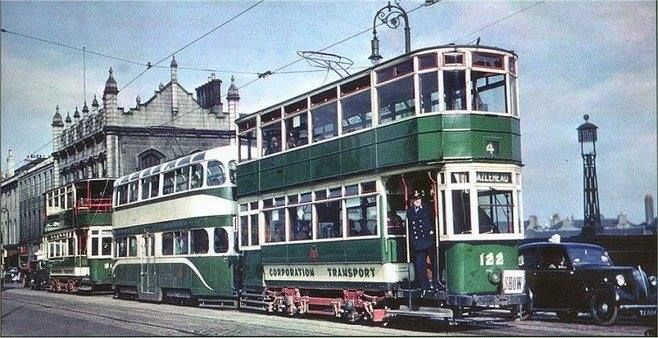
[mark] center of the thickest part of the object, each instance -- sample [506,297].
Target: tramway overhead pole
[391,16]
[592,215]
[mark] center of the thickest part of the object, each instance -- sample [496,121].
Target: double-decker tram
[324,181]
[78,235]
[173,231]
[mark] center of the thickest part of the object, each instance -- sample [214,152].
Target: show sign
[492,177]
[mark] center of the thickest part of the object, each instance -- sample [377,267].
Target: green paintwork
[69,220]
[465,275]
[100,271]
[55,264]
[216,271]
[180,224]
[433,138]
[366,250]
[252,269]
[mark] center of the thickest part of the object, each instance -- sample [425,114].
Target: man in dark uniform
[422,240]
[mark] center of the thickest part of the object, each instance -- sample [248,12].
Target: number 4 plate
[513,281]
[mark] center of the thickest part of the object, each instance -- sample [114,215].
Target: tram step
[424,312]
[218,303]
[258,308]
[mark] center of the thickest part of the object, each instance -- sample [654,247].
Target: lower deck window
[198,241]
[329,220]
[221,240]
[361,216]
[495,211]
[461,211]
[274,225]
[301,218]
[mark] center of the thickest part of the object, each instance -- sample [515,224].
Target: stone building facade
[111,141]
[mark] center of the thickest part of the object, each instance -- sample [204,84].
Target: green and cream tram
[173,231]
[78,235]
[323,180]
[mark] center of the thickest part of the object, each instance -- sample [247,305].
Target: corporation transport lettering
[292,272]
[351,272]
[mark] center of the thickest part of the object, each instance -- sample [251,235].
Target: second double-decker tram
[173,231]
[324,181]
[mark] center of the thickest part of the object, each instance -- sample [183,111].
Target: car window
[588,256]
[528,259]
[553,258]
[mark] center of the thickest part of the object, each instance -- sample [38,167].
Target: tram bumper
[488,300]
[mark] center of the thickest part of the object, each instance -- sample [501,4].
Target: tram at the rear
[324,181]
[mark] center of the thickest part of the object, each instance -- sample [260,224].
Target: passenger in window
[301,231]
[395,224]
[277,235]
[292,141]
[421,232]
[273,146]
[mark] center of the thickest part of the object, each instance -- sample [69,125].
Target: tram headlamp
[494,276]
[620,280]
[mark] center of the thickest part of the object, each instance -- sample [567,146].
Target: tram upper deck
[433,105]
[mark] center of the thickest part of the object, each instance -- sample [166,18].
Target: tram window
[254,229]
[293,199]
[329,220]
[181,242]
[429,92]
[168,243]
[154,184]
[488,60]
[398,70]
[461,211]
[221,240]
[94,246]
[244,231]
[271,138]
[215,173]
[199,156]
[324,122]
[122,249]
[132,188]
[196,180]
[453,59]
[443,211]
[274,225]
[352,190]
[488,92]
[198,241]
[335,192]
[232,171]
[305,198]
[427,61]
[396,100]
[144,182]
[182,178]
[495,211]
[297,130]
[300,219]
[361,216]
[82,243]
[106,248]
[122,194]
[357,112]
[454,86]
[368,187]
[168,183]
[132,246]
[512,93]
[459,177]
[247,143]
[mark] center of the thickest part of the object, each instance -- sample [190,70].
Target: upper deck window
[454,86]
[488,92]
[168,182]
[324,122]
[270,117]
[357,111]
[196,180]
[429,92]
[296,107]
[215,173]
[324,97]
[512,65]
[271,139]
[488,60]
[396,100]
[182,178]
[453,59]
[247,139]
[199,156]
[355,85]
[427,61]
[401,69]
[297,130]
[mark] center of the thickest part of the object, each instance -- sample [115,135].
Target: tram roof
[368,70]
[213,153]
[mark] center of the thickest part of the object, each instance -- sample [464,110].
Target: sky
[575,58]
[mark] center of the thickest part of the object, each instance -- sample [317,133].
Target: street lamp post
[592,215]
[391,16]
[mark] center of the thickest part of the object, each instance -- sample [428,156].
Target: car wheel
[567,316]
[603,310]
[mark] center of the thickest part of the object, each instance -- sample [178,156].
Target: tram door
[148,275]
[398,189]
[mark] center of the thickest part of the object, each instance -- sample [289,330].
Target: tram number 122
[490,258]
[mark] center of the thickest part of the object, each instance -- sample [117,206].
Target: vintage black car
[570,278]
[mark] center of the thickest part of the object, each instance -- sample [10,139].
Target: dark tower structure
[592,217]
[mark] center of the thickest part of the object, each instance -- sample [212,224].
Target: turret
[110,105]
[85,110]
[174,86]
[76,115]
[94,104]
[233,99]
[58,127]
[68,120]
[10,164]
